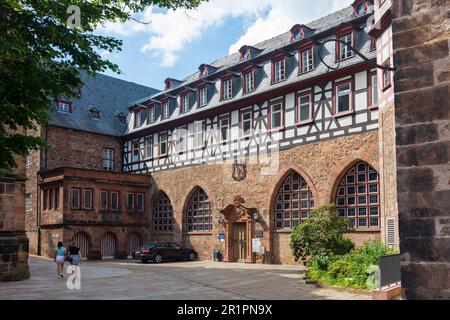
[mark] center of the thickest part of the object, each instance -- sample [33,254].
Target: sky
[173,43]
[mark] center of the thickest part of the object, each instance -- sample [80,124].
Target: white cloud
[170,31]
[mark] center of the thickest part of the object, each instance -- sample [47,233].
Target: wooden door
[239,241]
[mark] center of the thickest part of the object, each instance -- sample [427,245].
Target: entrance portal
[239,241]
[238,232]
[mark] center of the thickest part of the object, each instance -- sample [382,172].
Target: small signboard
[256,245]
[222,236]
[258,233]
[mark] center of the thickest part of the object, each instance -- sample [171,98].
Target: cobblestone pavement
[199,280]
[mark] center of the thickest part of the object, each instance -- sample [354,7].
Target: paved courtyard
[199,280]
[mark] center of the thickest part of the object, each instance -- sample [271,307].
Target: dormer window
[95,113]
[227,89]
[299,32]
[170,83]
[165,109]
[184,103]
[248,52]
[121,119]
[139,117]
[151,114]
[249,81]
[203,96]
[279,70]
[344,51]
[205,70]
[361,7]
[64,106]
[306,59]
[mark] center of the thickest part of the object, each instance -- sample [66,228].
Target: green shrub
[356,269]
[321,234]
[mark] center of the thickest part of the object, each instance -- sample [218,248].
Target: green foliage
[356,269]
[321,235]
[40,59]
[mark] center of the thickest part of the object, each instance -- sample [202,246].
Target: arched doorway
[82,240]
[108,246]
[133,242]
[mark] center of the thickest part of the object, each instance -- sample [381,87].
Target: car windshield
[149,245]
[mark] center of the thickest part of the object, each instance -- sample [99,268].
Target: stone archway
[238,222]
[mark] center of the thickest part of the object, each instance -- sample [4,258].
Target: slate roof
[110,96]
[320,25]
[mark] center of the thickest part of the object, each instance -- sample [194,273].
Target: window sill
[283,231]
[248,92]
[374,107]
[162,156]
[276,129]
[345,59]
[199,233]
[343,114]
[305,72]
[361,230]
[276,82]
[305,122]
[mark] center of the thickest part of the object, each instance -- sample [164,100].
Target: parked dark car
[163,251]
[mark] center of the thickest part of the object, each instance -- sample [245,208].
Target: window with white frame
[139,117]
[63,106]
[304,104]
[162,144]
[203,96]
[199,134]
[151,115]
[344,50]
[276,115]
[249,81]
[148,147]
[184,103]
[140,202]
[224,125]
[87,199]
[279,70]
[165,110]
[374,90]
[227,89]
[182,139]
[343,98]
[103,200]
[246,122]
[108,159]
[307,60]
[114,200]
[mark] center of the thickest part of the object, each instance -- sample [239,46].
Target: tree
[40,59]
[321,234]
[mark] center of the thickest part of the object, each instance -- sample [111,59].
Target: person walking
[60,255]
[74,256]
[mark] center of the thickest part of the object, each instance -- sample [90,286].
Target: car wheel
[144,260]
[192,256]
[158,258]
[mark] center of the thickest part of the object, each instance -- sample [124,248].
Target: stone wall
[13,240]
[323,164]
[421,52]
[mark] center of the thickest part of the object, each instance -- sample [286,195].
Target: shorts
[74,259]
[60,259]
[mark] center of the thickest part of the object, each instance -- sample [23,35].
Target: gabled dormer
[205,70]
[171,83]
[300,32]
[94,112]
[362,7]
[121,118]
[248,52]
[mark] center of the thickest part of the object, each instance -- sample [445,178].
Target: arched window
[163,214]
[293,203]
[198,212]
[358,196]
